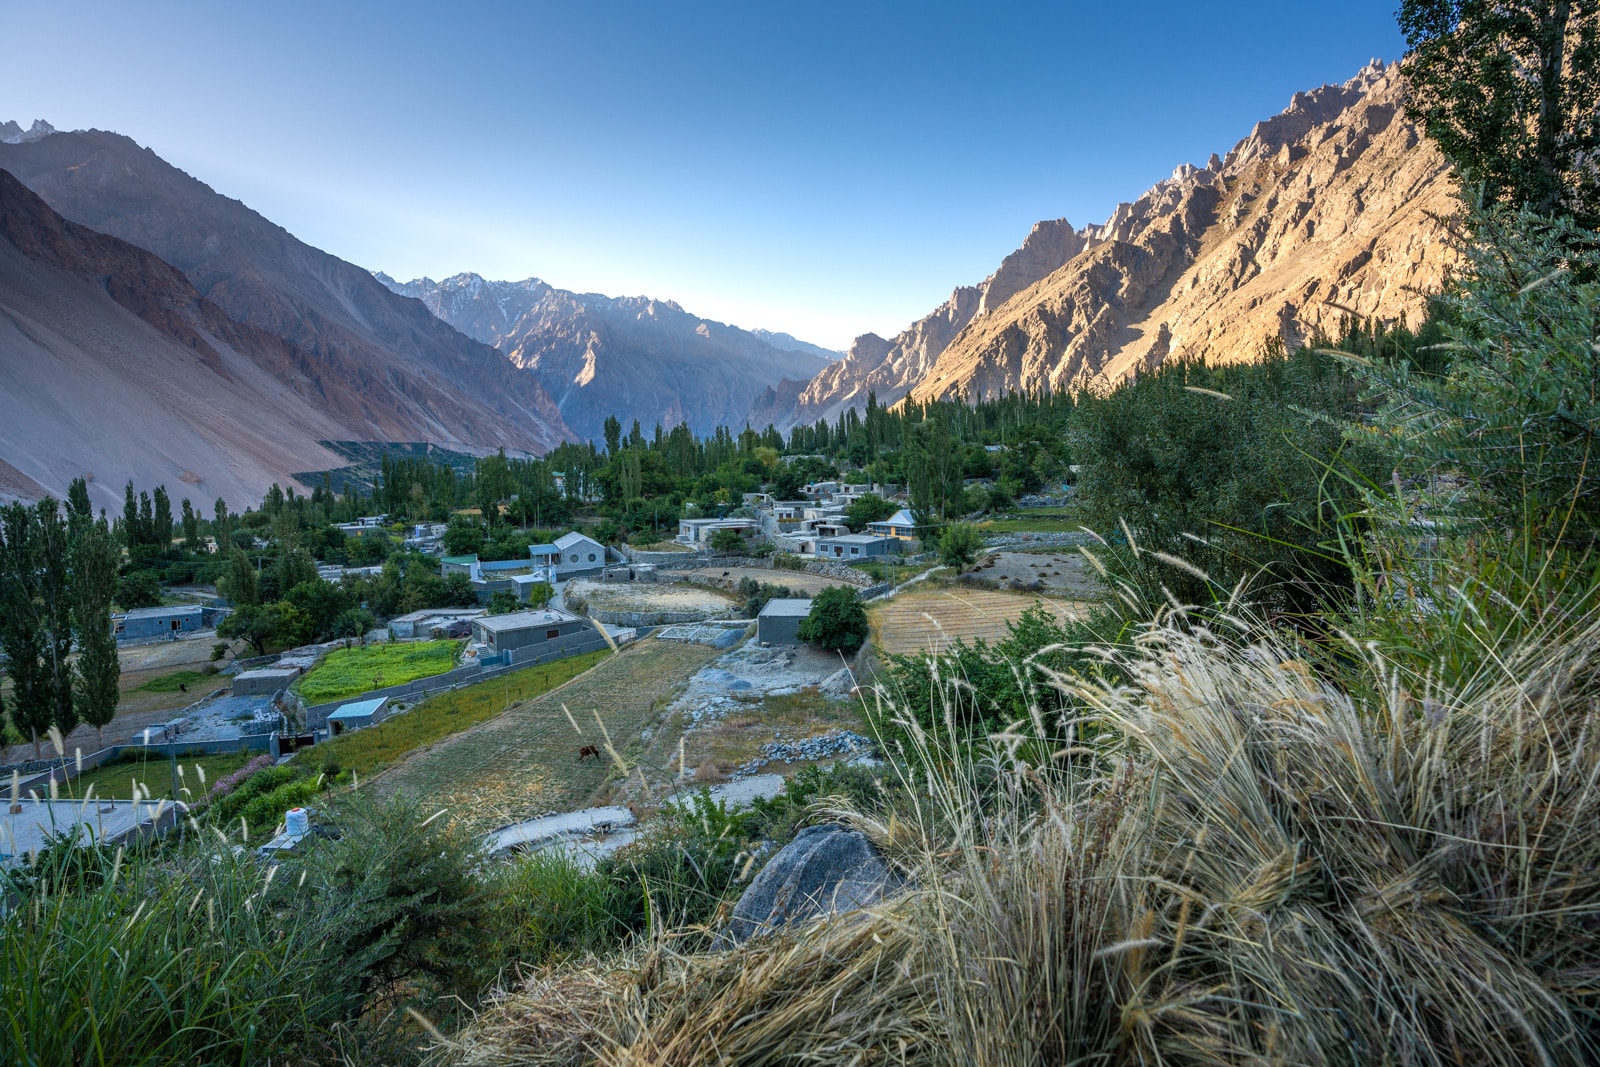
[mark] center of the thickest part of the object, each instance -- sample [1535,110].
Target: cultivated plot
[528,761]
[922,619]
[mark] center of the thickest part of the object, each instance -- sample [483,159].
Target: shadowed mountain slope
[381,365]
[116,368]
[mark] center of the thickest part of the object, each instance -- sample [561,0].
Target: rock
[824,870]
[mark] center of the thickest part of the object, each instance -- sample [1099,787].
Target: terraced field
[525,762]
[924,619]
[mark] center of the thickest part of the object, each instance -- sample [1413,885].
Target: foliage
[756,594]
[347,672]
[171,681]
[94,582]
[1510,91]
[226,807]
[405,912]
[1241,471]
[865,509]
[1516,413]
[157,774]
[837,621]
[503,602]
[125,960]
[138,589]
[36,617]
[265,810]
[960,544]
[727,542]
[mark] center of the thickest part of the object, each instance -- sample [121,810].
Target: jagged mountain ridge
[381,366]
[115,367]
[632,357]
[1329,208]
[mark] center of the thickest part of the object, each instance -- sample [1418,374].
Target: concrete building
[356,714]
[779,622]
[422,624]
[524,629]
[900,526]
[264,681]
[578,554]
[142,623]
[851,547]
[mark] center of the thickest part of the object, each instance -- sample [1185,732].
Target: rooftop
[359,709]
[786,607]
[460,561]
[161,613]
[857,539]
[519,620]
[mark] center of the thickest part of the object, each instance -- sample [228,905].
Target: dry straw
[1236,863]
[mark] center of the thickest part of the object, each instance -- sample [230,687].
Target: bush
[266,811]
[837,621]
[138,589]
[960,544]
[248,787]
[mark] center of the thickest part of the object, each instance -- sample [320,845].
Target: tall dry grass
[1240,864]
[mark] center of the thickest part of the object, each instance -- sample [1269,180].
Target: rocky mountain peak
[1329,205]
[12,133]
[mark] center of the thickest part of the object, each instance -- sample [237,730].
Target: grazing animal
[724,574]
[183,687]
[586,751]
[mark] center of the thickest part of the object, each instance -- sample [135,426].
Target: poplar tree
[94,583]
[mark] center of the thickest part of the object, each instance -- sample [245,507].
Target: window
[855,551]
[573,558]
[591,557]
[551,635]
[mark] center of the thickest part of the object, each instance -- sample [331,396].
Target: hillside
[377,364]
[116,368]
[1326,209]
[632,357]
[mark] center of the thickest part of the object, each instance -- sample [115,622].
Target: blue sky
[825,169]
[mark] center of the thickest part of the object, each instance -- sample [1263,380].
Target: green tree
[1510,91]
[960,544]
[161,515]
[94,583]
[295,567]
[238,584]
[255,624]
[837,620]
[53,600]
[613,435]
[353,624]
[131,527]
[138,589]
[191,527]
[1517,411]
[868,508]
[503,602]
[21,636]
[727,542]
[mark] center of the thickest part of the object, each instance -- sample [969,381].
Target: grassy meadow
[349,672]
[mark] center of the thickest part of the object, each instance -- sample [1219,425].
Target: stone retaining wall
[1067,539]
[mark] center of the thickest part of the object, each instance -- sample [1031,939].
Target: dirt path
[525,762]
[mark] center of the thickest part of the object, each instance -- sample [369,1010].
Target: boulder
[824,870]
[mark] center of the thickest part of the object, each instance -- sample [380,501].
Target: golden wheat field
[920,620]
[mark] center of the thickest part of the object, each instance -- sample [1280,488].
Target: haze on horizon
[824,170]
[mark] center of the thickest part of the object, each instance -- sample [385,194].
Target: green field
[1035,520]
[114,781]
[368,751]
[350,672]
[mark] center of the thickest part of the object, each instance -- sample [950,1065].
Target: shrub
[837,621]
[257,784]
[266,810]
[960,544]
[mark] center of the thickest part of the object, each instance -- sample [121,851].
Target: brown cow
[586,751]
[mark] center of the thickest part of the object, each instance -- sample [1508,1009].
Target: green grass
[350,672]
[1044,520]
[169,683]
[114,781]
[368,751]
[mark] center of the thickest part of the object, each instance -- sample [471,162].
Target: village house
[900,526]
[578,554]
[851,547]
[143,623]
